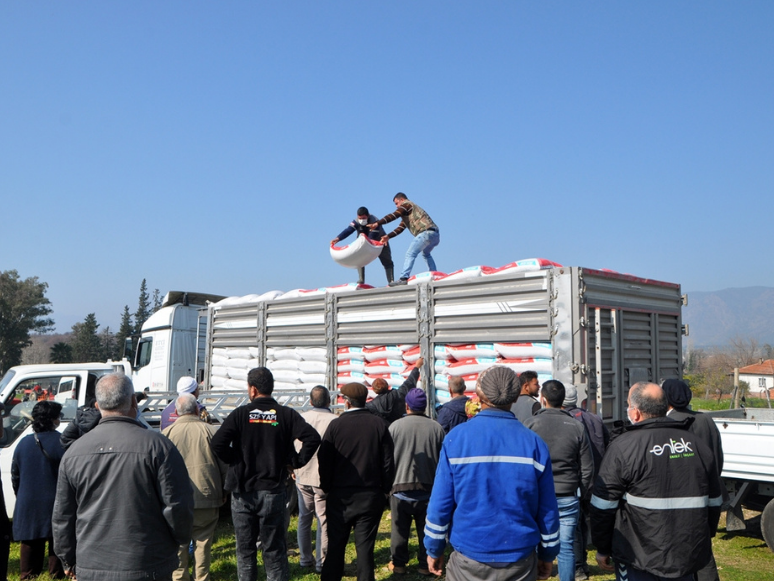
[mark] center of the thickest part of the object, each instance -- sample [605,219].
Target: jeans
[569,508]
[260,514]
[311,503]
[424,242]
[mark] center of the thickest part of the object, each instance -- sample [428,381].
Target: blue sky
[218,147]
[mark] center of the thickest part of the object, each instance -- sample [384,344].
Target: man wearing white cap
[185,384]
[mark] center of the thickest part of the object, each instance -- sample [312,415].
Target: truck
[600,330]
[171,340]
[747,436]
[24,385]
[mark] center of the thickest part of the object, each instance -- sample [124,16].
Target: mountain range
[714,318]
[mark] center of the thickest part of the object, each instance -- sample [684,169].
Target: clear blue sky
[219,146]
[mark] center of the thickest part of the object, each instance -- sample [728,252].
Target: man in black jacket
[571,463]
[257,440]
[390,404]
[656,501]
[356,472]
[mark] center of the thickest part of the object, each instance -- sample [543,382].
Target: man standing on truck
[124,503]
[360,226]
[257,441]
[656,501]
[419,223]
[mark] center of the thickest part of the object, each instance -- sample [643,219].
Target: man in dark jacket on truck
[572,464]
[389,404]
[360,226]
[124,502]
[257,440]
[656,501]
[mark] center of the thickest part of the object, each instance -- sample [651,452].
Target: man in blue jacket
[358,226]
[494,481]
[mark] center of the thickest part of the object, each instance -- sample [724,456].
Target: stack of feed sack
[366,364]
[470,360]
[297,368]
[230,366]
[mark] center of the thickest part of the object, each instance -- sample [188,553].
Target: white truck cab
[23,386]
[170,342]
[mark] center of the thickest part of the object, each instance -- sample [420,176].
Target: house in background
[759,376]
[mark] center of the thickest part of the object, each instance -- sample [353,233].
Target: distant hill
[716,317]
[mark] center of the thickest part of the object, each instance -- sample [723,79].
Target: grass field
[740,557]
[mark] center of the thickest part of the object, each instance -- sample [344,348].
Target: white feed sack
[358,254]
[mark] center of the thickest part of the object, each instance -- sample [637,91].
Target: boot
[361,275]
[389,271]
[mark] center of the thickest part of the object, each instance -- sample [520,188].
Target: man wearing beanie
[418,441]
[494,481]
[572,465]
[356,472]
[679,397]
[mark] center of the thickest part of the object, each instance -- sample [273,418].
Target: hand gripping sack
[358,254]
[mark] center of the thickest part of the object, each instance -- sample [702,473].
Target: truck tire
[767,524]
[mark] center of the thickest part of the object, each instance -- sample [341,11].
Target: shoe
[396,569]
[399,282]
[424,571]
[580,574]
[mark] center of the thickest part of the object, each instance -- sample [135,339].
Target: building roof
[764,368]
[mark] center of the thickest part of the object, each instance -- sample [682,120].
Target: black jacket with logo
[257,441]
[656,500]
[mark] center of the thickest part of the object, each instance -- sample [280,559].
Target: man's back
[572,463]
[525,407]
[319,419]
[706,429]
[656,491]
[357,452]
[452,413]
[124,492]
[417,441]
[494,478]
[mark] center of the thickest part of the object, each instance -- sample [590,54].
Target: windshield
[6,379]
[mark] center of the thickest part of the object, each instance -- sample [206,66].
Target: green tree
[108,343]
[143,308]
[24,309]
[156,300]
[61,353]
[86,343]
[124,331]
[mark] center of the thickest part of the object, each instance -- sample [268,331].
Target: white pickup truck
[24,385]
[747,436]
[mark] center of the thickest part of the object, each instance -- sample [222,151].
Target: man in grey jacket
[572,465]
[123,502]
[418,441]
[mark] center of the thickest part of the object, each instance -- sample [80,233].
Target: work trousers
[311,503]
[348,509]
[260,514]
[205,522]
[461,568]
[624,572]
[32,555]
[385,257]
[403,513]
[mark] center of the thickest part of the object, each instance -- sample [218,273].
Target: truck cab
[23,386]
[171,342]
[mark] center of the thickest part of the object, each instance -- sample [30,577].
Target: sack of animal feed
[468,366]
[465,273]
[349,353]
[358,254]
[528,364]
[382,352]
[312,366]
[524,350]
[426,277]
[385,366]
[411,355]
[312,353]
[351,365]
[461,352]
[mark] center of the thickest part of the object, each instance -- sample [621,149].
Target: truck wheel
[767,524]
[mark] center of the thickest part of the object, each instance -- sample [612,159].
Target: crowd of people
[498,487]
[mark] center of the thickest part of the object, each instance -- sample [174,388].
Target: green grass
[740,557]
[713,404]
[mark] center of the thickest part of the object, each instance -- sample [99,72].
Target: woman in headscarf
[33,474]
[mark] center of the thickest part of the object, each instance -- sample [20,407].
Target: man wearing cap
[572,465]
[494,480]
[185,384]
[257,441]
[389,403]
[356,472]
[418,441]
[599,438]
[679,397]
[359,226]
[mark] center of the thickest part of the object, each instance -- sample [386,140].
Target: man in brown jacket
[191,436]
